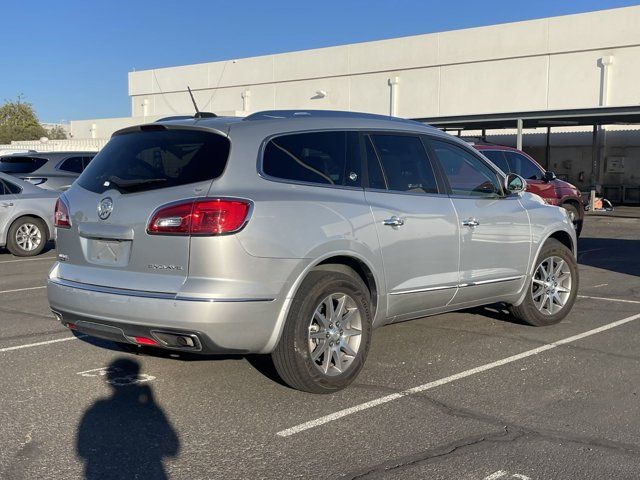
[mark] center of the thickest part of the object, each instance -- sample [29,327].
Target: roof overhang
[536,119]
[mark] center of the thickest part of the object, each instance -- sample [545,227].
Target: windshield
[147,160]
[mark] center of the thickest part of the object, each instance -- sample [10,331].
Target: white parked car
[26,216]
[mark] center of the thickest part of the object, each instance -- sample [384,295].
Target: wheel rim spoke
[551,285]
[334,334]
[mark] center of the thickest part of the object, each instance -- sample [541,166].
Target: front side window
[404,163]
[466,173]
[73,165]
[145,160]
[498,159]
[328,158]
[21,164]
[523,166]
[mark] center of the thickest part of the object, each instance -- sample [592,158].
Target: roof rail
[287,114]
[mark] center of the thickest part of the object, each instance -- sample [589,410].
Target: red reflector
[61,214]
[200,217]
[145,341]
[72,326]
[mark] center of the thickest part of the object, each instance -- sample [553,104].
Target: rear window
[21,164]
[147,160]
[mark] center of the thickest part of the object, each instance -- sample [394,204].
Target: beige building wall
[542,64]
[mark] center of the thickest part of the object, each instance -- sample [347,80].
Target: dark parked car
[539,181]
[51,171]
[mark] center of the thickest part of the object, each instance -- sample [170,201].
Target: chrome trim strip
[420,290]
[461,285]
[486,282]
[145,294]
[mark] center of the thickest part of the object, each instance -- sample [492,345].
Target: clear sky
[70,58]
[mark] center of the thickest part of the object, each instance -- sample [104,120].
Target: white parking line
[606,299]
[458,376]
[38,344]
[39,259]
[22,289]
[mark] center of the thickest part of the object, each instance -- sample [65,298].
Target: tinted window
[86,161]
[73,165]
[146,160]
[329,158]
[374,170]
[21,164]
[404,163]
[498,158]
[11,188]
[523,166]
[467,174]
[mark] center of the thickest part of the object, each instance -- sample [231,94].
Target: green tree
[18,121]
[57,133]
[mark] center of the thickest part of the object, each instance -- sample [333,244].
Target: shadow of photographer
[126,435]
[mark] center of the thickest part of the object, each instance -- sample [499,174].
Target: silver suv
[295,234]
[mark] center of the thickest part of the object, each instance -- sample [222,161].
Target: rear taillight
[200,217]
[61,215]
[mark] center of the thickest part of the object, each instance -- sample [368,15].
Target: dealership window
[404,162]
[330,158]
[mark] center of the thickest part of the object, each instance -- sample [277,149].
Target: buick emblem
[105,207]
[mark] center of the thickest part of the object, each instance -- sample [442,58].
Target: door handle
[394,221]
[6,204]
[470,222]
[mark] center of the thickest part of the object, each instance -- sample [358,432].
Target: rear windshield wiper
[124,184]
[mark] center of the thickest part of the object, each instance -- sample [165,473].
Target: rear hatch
[110,205]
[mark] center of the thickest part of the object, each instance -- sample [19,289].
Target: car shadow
[614,254]
[262,363]
[496,311]
[126,435]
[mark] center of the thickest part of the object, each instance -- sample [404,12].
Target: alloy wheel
[551,285]
[28,237]
[335,332]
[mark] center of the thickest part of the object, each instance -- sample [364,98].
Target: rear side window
[523,166]
[11,188]
[404,162]
[73,165]
[328,158]
[21,164]
[498,159]
[146,160]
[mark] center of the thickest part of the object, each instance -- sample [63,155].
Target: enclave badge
[105,207]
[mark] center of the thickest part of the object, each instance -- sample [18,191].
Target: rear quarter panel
[36,205]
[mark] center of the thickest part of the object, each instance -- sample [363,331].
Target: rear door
[416,224]
[110,205]
[495,236]
[7,200]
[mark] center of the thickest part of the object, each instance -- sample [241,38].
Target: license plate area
[103,252]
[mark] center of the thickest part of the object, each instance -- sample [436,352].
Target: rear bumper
[240,325]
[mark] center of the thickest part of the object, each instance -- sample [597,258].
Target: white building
[564,71]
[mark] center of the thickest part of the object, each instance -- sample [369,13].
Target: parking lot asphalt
[466,395]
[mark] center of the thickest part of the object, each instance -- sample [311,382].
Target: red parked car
[544,183]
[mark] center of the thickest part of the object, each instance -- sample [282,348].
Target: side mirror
[514,183]
[549,176]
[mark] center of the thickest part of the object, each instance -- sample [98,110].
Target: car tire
[552,289]
[326,336]
[27,237]
[574,214]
